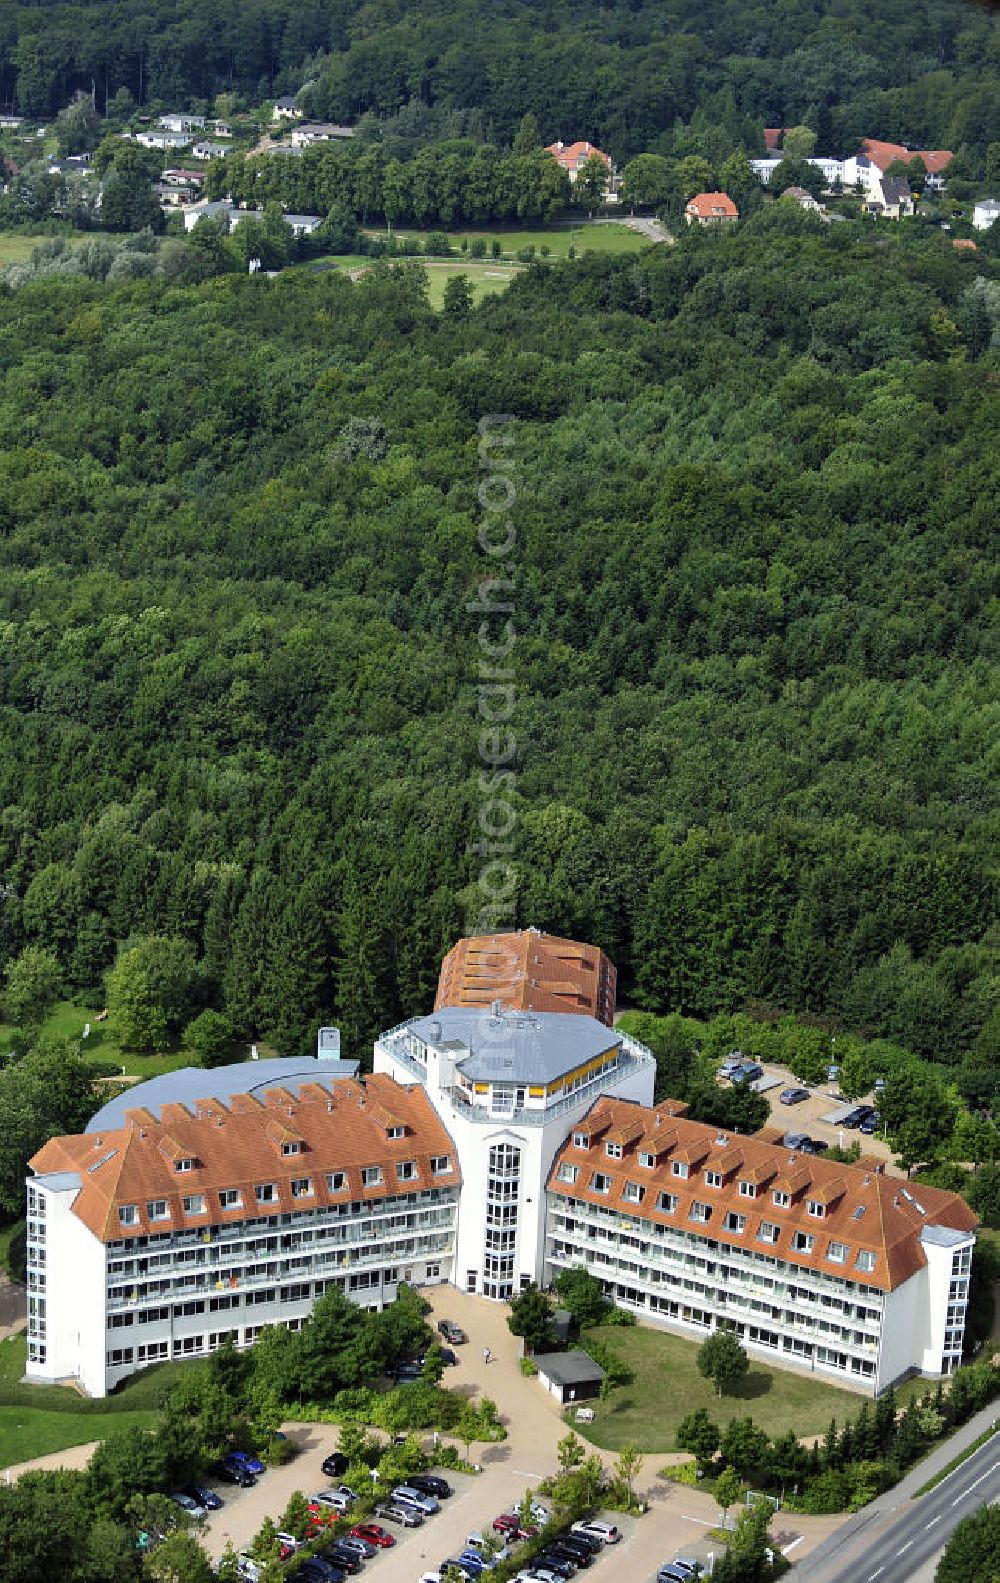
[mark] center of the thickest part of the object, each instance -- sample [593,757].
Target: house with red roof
[711,208]
[573,156]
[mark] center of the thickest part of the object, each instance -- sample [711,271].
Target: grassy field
[37,1419]
[15,247]
[667,1386]
[484,277]
[558,238]
[67,1020]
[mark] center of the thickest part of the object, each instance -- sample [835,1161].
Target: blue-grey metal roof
[516,1046]
[190,1083]
[944,1236]
[59,1181]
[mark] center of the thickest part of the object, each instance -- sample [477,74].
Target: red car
[510,1525]
[374,1534]
[322,1516]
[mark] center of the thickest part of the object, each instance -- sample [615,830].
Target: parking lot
[808,1115]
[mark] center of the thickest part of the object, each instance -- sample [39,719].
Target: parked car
[474,1561]
[855,1117]
[793,1096]
[380,1537]
[354,1545]
[578,1554]
[248,1568]
[406,1495]
[510,1524]
[608,1533]
[335,1465]
[816,1146]
[188,1504]
[409,1373]
[477,1541]
[870,1125]
[350,1563]
[393,1512]
[688,1564]
[540,1573]
[734,1059]
[747,1073]
[448,1357]
[315,1570]
[229,1473]
[204,1496]
[672,1574]
[796,1140]
[429,1577]
[332,1501]
[591,1541]
[564,1565]
[243,1459]
[430,1484]
[289,1544]
[454,1334]
[539,1513]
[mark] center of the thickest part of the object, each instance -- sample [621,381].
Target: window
[581,1140]
[290,1147]
[735,1222]
[151,1352]
[194,1204]
[865,1260]
[702,1212]
[803,1242]
[646,1160]
[157,1209]
[120,1356]
[231,1198]
[440,1164]
[747,1189]
[395,1132]
[815,1208]
[634,1194]
[302,1187]
[679,1168]
[713,1178]
[184,1165]
[336,1182]
[613,1151]
[782,1200]
[667,1203]
[371,1176]
[567,1173]
[837,1251]
[406,1170]
[128,1215]
[599,1182]
[266,1193]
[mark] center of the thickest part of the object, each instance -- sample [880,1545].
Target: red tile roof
[888,1225]
[240,1145]
[712,206]
[528,971]
[882,154]
[572,155]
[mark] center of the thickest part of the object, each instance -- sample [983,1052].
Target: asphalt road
[894,1547]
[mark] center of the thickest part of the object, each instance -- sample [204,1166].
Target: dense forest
[755,717]
[630,76]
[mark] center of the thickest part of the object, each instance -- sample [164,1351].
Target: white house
[985,214]
[182,123]
[285,109]
[209,149]
[163,139]
[303,224]
[318,132]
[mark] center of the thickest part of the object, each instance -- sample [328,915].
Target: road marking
[789,1548]
[903,1548]
[976,1484]
[931,1523]
[523,1475]
[873,1575]
[704,1521]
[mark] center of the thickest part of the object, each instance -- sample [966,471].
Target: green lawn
[16,247]
[667,1386]
[558,238]
[37,1419]
[67,1020]
[485,277]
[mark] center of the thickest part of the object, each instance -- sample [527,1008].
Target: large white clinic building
[509,1134]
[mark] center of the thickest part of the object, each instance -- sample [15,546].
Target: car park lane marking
[903,1548]
[873,1575]
[932,1522]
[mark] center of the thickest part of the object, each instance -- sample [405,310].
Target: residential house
[764,169]
[182,123]
[711,208]
[222,129]
[163,139]
[303,224]
[319,132]
[804,199]
[179,187]
[573,156]
[934,160]
[11,123]
[986,213]
[891,199]
[285,109]
[208,149]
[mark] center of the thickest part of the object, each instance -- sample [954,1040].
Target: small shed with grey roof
[570,1376]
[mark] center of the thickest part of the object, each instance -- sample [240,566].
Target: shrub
[828,1493]
[619,1316]
[437,245]
[528,1367]
[478,247]
[280,1451]
[681,1472]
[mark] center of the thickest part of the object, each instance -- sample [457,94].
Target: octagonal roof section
[528,970]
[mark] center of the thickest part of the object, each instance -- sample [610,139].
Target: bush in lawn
[495,248]
[528,1367]
[437,245]
[478,247]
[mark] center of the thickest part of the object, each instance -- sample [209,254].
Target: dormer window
[581,1140]
[613,1151]
[128,1215]
[291,1147]
[713,1178]
[600,1183]
[667,1203]
[647,1161]
[440,1164]
[302,1187]
[336,1182]
[735,1222]
[266,1193]
[865,1261]
[701,1212]
[406,1170]
[634,1194]
[679,1168]
[782,1200]
[747,1189]
[158,1209]
[395,1132]
[371,1176]
[815,1208]
[184,1164]
[803,1242]
[567,1173]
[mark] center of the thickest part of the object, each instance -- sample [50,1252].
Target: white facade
[985,214]
[507,1130]
[182,123]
